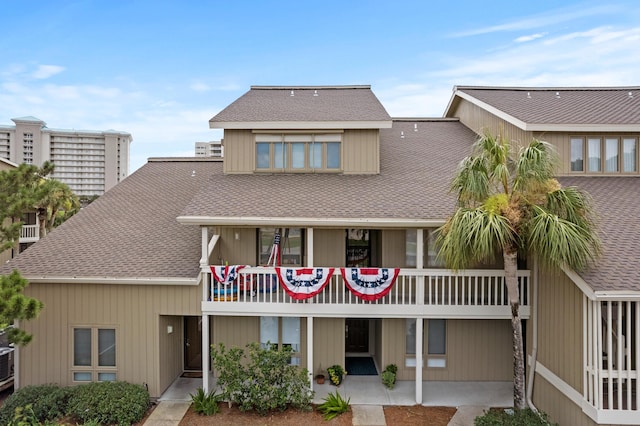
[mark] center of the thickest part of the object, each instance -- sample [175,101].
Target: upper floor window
[280,246]
[608,154]
[298,152]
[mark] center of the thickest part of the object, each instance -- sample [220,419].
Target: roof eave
[307,222]
[537,127]
[489,108]
[273,125]
[50,279]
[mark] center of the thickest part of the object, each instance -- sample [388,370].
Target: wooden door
[193,343]
[356,335]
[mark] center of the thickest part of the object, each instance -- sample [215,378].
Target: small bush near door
[389,376]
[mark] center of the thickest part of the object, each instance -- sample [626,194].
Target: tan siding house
[320,178]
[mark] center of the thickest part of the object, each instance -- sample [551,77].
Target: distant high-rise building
[89,161]
[209,149]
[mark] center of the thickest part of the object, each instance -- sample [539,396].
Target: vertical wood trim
[205,353]
[419,359]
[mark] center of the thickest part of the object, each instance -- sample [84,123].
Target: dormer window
[305,153]
[620,154]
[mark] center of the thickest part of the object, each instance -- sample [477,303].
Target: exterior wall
[171,349]
[560,336]
[560,409]
[134,311]
[394,250]
[329,247]
[476,350]
[360,151]
[480,120]
[328,343]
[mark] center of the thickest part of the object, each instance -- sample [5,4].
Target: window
[298,152]
[620,154]
[290,248]
[280,332]
[94,354]
[430,250]
[437,343]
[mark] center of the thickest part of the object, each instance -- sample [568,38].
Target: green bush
[48,402]
[392,368]
[334,405]
[109,403]
[204,403]
[512,417]
[388,379]
[261,379]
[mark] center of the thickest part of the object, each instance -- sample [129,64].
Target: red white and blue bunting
[226,274]
[369,283]
[303,283]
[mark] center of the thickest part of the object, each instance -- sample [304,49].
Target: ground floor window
[94,354]
[436,339]
[280,332]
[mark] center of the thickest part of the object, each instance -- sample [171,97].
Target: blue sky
[161,69]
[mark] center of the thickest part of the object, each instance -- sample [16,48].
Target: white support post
[205,353]
[204,262]
[309,238]
[419,336]
[420,265]
[310,351]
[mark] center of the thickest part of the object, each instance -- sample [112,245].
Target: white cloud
[46,71]
[531,37]
[199,87]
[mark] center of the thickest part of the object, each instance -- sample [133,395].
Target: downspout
[534,337]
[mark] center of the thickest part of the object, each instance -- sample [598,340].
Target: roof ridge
[545,88]
[339,87]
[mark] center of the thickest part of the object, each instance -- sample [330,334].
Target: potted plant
[336,374]
[389,375]
[320,378]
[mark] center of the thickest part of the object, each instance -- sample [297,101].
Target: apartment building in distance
[89,161]
[209,149]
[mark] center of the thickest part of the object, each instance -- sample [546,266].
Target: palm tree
[51,198]
[508,204]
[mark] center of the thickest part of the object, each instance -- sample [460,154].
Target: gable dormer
[303,129]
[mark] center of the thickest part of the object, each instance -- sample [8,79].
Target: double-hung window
[436,343]
[94,354]
[304,153]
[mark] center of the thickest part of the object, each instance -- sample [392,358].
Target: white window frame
[590,151]
[281,325]
[286,143]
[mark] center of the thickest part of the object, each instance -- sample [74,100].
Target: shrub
[513,417]
[388,379]
[262,379]
[334,405]
[392,368]
[109,402]
[206,404]
[48,402]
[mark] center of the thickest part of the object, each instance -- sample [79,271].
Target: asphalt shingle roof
[308,104]
[612,106]
[616,202]
[414,179]
[129,232]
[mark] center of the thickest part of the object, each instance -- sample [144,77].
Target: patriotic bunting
[225,274]
[303,283]
[369,283]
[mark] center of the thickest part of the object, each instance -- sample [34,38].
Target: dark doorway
[356,335]
[193,343]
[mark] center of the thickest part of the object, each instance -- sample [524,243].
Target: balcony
[435,293]
[29,233]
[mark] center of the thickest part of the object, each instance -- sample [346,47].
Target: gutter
[112,280]
[308,222]
[534,338]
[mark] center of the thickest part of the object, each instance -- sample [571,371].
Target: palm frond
[559,241]
[471,182]
[535,164]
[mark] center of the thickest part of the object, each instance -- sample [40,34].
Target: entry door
[193,343]
[356,335]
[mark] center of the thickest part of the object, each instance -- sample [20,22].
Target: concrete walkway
[168,413]
[466,415]
[368,415]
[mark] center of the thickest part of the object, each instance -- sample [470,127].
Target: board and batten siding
[328,343]
[559,408]
[476,350]
[560,322]
[133,310]
[360,151]
[171,352]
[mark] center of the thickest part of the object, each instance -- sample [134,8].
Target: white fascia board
[112,280]
[579,282]
[619,295]
[493,110]
[306,222]
[582,127]
[276,125]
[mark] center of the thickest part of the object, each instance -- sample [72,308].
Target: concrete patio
[370,390]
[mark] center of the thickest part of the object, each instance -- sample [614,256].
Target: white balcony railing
[468,293]
[29,233]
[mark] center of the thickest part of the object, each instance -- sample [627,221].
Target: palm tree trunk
[511,268]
